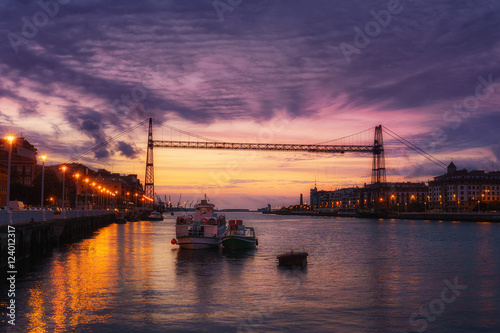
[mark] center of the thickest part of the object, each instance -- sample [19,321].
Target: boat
[293,259]
[239,237]
[155,216]
[203,230]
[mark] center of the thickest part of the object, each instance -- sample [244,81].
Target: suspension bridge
[377,149]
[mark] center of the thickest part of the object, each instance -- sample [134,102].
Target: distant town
[458,190]
[84,187]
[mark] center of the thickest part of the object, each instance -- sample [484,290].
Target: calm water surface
[364,275]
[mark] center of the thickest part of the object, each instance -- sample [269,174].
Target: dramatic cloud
[127,150]
[98,67]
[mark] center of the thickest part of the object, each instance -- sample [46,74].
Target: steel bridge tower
[149,184]
[378,168]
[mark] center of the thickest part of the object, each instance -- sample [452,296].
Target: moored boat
[155,216]
[203,230]
[239,237]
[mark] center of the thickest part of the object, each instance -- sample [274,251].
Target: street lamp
[86,191]
[63,168]
[99,199]
[10,139]
[77,175]
[43,157]
[93,194]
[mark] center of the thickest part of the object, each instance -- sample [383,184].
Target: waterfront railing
[22,216]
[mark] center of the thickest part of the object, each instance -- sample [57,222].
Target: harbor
[362,275]
[249,166]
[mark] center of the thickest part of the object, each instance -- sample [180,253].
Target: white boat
[202,230]
[155,216]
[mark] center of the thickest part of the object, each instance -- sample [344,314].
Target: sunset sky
[76,73]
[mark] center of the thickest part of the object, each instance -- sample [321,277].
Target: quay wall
[462,217]
[36,239]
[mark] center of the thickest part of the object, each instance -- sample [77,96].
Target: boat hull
[198,243]
[239,243]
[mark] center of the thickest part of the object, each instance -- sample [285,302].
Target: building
[23,160]
[462,190]
[403,196]
[398,196]
[345,199]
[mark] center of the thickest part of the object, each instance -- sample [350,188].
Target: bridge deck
[264,146]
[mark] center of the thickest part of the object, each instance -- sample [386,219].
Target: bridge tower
[149,183]
[378,168]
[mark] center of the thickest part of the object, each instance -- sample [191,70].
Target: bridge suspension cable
[415,148]
[157,122]
[106,142]
[368,130]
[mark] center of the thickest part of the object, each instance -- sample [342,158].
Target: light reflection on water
[363,276]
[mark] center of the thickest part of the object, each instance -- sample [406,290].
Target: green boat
[239,237]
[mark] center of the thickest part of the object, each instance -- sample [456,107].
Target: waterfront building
[397,196]
[345,199]
[462,190]
[23,160]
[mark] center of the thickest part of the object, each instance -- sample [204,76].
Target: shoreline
[461,217]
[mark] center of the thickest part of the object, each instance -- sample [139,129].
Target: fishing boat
[155,216]
[203,230]
[239,237]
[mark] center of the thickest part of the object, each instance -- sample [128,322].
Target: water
[363,275]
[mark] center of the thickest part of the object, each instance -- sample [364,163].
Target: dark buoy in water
[173,241]
[293,259]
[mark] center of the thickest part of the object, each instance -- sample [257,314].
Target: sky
[78,73]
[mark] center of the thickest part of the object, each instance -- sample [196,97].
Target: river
[363,275]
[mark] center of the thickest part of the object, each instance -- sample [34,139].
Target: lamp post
[10,139]
[86,191]
[63,214]
[77,175]
[43,157]
[93,194]
[99,198]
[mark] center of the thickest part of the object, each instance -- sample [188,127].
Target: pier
[37,238]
